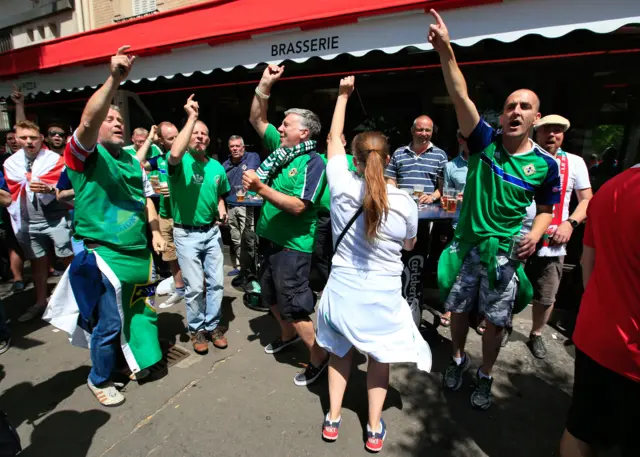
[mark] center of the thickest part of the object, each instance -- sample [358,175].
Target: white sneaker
[32,313]
[166,287]
[172,300]
[107,395]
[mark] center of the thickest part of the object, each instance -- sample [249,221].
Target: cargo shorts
[471,289]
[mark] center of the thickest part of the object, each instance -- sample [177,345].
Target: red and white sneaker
[330,429]
[375,440]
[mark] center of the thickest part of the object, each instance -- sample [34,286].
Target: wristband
[261,95]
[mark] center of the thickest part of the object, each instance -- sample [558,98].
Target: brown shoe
[200,343]
[218,339]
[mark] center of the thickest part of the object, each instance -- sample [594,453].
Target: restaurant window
[143,6]
[6,44]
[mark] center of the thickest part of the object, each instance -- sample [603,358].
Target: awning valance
[227,34]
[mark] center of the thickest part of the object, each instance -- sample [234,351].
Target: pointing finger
[131,59]
[122,49]
[437,17]
[190,99]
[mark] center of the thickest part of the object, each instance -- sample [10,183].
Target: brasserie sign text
[302,46]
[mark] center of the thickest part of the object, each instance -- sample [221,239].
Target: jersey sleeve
[64,183]
[481,137]
[153,163]
[147,189]
[3,183]
[392,169]
[223,187]
[582,175]
[412,221]
[549,192]
[76,154]
[309,185]
[271,138]
[442,164]
[339,176]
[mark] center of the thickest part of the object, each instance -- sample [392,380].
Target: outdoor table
[415,261]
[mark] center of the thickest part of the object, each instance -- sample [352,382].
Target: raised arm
[466,110]
[260,103]
[181,142]
[18,99]
[98,105]
[143,152]
[335,146]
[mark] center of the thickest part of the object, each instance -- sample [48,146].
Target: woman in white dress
[362,304]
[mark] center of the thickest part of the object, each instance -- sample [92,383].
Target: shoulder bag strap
[347,227]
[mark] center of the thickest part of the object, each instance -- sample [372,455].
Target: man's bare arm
[5,198]
[143,152]
[65,195]
[98,105]
[181,142]
[18,98]
[260,103]
[466,111]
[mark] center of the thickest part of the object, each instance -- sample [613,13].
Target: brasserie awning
[225,34]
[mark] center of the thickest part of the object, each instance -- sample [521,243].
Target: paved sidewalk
[242,402]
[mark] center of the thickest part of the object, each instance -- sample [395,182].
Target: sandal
[107,395]
[445,321]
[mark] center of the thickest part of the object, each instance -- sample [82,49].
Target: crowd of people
[335,224]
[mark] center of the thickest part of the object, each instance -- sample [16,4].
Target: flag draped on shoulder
[46,167]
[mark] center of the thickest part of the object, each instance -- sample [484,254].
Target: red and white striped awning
[224,34]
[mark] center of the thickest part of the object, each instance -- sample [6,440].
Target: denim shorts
[284,280]
[472,289]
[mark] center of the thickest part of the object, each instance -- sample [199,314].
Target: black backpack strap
[347,227]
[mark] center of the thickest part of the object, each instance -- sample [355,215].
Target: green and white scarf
[280,158]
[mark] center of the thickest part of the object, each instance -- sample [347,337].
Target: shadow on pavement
[65,433]
[526,419]
[27,403]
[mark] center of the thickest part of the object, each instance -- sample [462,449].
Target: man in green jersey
[138,139]
[290,181]
[482,266]
[166,135]
[197,185]
[111,282]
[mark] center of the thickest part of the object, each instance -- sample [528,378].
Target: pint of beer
[240,193]
[452,204]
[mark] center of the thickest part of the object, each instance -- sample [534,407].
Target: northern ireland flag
[47,168]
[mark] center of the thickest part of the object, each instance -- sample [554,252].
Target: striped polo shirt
[409,168]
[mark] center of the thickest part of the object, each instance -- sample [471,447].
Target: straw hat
[554,119]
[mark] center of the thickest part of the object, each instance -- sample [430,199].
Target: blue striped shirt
[409,169]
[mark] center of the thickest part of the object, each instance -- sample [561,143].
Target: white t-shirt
[347,195]
[578,180]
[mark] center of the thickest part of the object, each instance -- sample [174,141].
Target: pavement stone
[242,402]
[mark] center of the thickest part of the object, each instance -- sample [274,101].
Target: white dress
[362,304]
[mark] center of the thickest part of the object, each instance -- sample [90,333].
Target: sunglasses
[54,133]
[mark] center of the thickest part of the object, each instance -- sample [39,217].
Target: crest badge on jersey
[244,167]
[529,169]
[217,180]
[293,172]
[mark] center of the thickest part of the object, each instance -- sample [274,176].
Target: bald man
[483,265]
[420,164]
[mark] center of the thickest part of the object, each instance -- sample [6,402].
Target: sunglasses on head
[54,133]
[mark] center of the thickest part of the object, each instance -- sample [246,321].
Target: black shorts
[284,281]
[606,407]
[8,239]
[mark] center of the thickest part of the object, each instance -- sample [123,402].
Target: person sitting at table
[238,162]
[362,304]
[421,163]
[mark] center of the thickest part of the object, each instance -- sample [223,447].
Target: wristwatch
[573,223]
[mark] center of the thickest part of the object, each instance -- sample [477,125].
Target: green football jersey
[500,186]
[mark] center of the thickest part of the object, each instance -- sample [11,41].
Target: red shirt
[608,325]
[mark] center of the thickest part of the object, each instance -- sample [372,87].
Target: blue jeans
[201,260]
[105,338]
[5,331]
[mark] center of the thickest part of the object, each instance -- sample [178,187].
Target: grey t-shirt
[35,211]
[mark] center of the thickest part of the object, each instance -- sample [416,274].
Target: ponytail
[370,148]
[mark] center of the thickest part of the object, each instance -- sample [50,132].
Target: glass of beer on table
[443,198]
[452,201]
[418,190]
[240,193]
